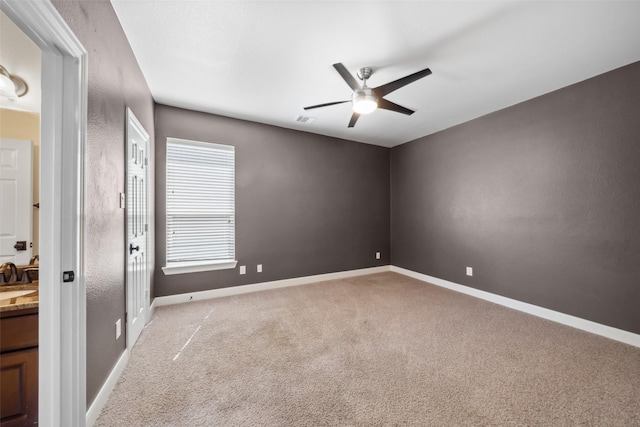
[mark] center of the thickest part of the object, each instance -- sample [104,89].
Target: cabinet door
[19,388]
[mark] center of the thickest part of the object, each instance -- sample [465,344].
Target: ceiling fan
[366,99]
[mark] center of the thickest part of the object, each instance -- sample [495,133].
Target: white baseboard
[555,316]
[107,388]
[152,309]
[237,290]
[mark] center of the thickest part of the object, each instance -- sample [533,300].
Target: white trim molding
[152,309]
[545,313]
[103,395]
[263,286]
[194,267]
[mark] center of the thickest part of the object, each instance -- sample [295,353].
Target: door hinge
[146,227]
[146,161]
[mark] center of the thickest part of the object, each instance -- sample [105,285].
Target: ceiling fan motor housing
[364,73]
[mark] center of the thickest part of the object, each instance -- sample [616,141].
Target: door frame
[63,122]
[134,125]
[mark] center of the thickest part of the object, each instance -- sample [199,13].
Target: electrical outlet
[243,269]
[469,271]
[259,268]
[377,255]
[118,328]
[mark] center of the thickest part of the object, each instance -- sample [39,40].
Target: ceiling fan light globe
[364,101]
[365,107]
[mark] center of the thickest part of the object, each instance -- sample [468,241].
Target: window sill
[194,267]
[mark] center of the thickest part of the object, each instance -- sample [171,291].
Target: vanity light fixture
[11,87]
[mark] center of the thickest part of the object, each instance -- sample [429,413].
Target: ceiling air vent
[305,119]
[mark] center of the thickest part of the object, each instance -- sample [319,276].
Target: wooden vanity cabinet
[19,367]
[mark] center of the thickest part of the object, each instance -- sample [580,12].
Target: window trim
[198,266]
[195,267]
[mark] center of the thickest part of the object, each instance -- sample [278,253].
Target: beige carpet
[375,350]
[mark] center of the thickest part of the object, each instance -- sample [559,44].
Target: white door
[138,277]
[16,201]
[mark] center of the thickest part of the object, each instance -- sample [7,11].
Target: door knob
[20,245]
[133,248]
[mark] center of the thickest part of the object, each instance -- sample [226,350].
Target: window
[200,206]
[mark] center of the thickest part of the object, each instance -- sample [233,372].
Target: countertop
[29,300]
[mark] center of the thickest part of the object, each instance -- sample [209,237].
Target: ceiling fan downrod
[363,74]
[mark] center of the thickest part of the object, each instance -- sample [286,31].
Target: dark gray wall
[115,82]
[305,204]
[542,199]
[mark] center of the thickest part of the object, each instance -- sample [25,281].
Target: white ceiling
[265,61]
[21,57]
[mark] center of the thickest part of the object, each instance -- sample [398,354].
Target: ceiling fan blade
[346,75]
[325,105]
[397,84]
[388,105]
[354,119]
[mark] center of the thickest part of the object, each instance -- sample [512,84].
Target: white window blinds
[200,202]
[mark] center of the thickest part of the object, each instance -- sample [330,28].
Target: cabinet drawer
[18,332]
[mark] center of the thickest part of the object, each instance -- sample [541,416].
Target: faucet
[13,272]
[34,259]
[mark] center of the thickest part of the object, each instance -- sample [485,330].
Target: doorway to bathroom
[62,304]
[20,100]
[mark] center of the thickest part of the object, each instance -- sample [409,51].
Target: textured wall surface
[542,199]
[305,204]
[115,82]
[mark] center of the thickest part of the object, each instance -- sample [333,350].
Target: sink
[17,297]
[14,294]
